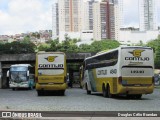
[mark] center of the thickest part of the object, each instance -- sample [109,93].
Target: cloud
[26,15]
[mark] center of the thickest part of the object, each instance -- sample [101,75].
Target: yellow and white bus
[50,72]
[125,70]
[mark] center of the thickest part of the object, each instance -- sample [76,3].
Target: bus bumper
[16,85]
[136,90]
[51,87]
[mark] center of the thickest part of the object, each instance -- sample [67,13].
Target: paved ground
[75,100]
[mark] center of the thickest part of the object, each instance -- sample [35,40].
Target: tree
[43,47]
[104,45]
[155,44]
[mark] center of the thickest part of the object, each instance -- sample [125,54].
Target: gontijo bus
[125,70]
[50,72]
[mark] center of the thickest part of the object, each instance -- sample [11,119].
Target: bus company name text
[137,58]
[50,66]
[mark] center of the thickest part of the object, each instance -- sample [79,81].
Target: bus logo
[50,58]
[136,53]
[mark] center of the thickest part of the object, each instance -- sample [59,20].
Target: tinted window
[108,59]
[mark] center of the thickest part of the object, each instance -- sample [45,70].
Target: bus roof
[43,52]
[25,65]
[119,48]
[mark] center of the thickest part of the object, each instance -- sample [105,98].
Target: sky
[22,16]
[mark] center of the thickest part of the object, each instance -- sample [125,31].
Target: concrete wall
[9,59]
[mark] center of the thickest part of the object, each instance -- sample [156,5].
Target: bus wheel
[40,92]
[109,95]
[88,91]
[13,89]
[62,92]
[30,88]
[138,96]
[104,91]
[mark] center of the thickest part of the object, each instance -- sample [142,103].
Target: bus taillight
[153,80]
[36,79]
[120,80]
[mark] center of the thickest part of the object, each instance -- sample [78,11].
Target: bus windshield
[18,68]
[18,76]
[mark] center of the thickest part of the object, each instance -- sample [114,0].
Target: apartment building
[147,15]
[104,20]
[55,21]
[69,15]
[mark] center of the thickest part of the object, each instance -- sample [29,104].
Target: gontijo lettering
[50,66]
[137,56]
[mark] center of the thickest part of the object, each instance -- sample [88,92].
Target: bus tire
[88,91]
[139,96]
[30,88]
[13,89]
[40,92]
[104,91]
[62,92]
[109,95]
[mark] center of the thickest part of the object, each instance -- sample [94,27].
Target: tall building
[55,21]
[120,12]
[70,15]
[104,20]
[87,13]
[147,16]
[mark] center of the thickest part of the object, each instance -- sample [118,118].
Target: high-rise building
[70,15]
[147,15]
[104,20]
[118,19]
[87,14]
[120,12]
[55,21]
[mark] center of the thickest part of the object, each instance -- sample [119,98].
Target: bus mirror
[27,73]
[8,73]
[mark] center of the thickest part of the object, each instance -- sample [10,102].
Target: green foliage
[85,48]
[98,46]
[155,44]
[44,47]
[69,45]
[17,47]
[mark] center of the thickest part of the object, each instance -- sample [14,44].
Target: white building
[134,37]
[87,14]
[106,19]
[72,35]
[96,21]
[147,15]
[70,15]
[119,17]
[119,12]
[85,36]
[55,21]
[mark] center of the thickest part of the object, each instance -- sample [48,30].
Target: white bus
[125,70]
[20,76]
